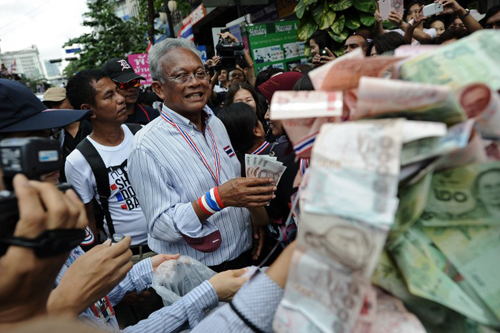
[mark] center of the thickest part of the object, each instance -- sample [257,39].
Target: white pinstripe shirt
[168,175]
[183,314]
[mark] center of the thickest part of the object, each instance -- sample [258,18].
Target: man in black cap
[127,81]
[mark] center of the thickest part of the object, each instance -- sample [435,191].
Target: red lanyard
[216,174]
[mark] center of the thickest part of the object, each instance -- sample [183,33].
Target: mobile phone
[432,9]
[384,7]
[323,52]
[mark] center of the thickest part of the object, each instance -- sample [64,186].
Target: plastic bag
[175,278]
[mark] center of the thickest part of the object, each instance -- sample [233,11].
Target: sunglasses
[130,84]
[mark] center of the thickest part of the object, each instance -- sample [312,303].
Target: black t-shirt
[142,115]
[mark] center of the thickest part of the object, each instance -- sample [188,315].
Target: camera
[228,51]
[33,157]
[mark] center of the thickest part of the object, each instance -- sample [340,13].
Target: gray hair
[157,51]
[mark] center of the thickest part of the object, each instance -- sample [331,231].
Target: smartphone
[323,52]
[432,9]
[384,7]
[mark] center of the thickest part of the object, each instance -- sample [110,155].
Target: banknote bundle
[264,166]
[400,222]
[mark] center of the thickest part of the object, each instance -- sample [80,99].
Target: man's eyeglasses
[130,84]
[185,78]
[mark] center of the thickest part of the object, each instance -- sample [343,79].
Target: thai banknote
[412,202]
[457,137]
[390,316]
[302,114]
[264,166]
[415,130]
[467,195]
[395,98]
[346,74]
[359,194]
[470,60]
[355,170]
[301,104]
[321,74]
[319,294]
[413,253]
[474,252]
[483,105]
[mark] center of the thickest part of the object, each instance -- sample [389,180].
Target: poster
[140,64]
[275,45]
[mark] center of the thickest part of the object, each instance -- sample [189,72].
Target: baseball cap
[56,94]
[119,70]
[280,81]
[21,110]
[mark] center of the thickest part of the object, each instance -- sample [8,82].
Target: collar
[261,149]
[181,120]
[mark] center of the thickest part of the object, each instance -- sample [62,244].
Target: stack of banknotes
[264,166]
[399,227]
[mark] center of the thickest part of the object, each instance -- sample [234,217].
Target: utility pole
[151,19]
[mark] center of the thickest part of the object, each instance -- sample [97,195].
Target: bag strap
[134,128]
[101,177]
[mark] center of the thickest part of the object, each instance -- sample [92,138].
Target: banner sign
[140,64]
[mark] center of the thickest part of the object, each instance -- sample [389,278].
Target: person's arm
[251,78]
[171,219]
[256,301]
[411,28]
[379,27]
[27,280]
[453,7]
[194,306]
[92,276]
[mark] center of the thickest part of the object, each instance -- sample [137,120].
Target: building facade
[25,62]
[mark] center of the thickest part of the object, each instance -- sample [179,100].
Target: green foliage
[339,17]
[110,37]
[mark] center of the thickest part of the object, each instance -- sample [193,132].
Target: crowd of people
[155,178]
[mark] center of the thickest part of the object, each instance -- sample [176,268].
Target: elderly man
[185,172]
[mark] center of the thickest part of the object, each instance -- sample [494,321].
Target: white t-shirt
[127,215]
[431,32]
[219,89]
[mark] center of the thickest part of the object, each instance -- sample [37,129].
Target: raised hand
[247,192]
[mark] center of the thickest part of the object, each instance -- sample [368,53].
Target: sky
[48,24]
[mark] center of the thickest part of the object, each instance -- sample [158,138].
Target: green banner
[276,45]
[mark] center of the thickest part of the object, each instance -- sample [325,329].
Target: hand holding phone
[432,9]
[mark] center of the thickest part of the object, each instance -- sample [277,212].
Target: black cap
[21,110]
[119,70]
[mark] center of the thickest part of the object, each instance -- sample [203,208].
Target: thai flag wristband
[211,202]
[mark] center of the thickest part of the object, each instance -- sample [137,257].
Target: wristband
[218,199]
[467,12]
[210,199]
[49,243]
[205,207]
[211,202]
